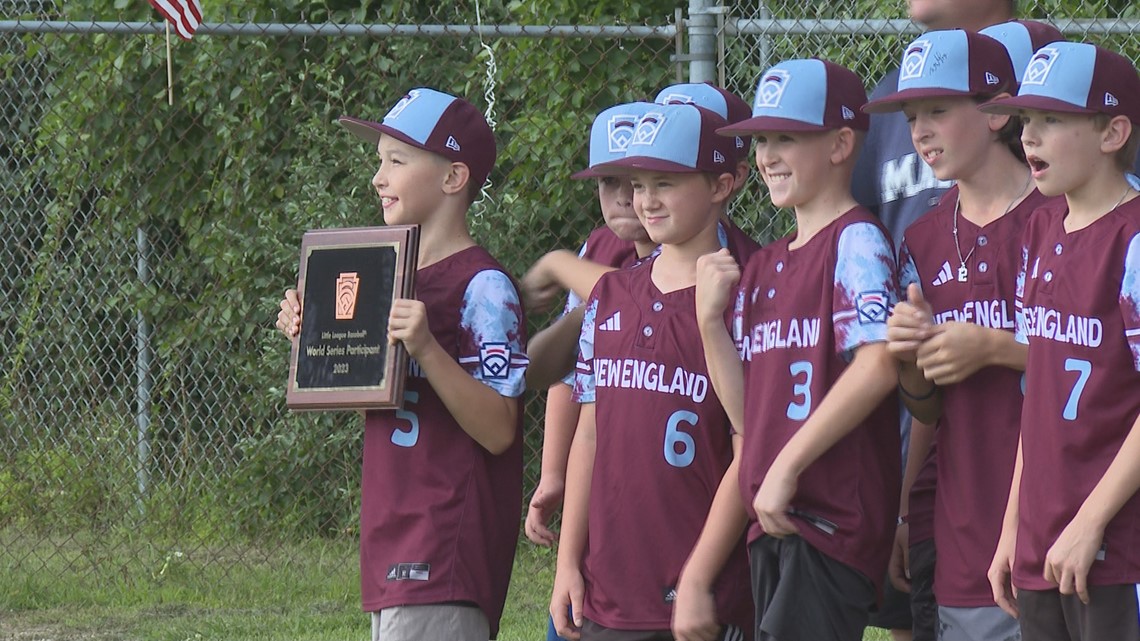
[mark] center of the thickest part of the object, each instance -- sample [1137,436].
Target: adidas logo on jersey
[611,324]
[944,274]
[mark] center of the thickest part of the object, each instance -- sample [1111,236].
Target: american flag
[185,15]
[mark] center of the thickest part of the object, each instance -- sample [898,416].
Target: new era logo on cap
[1110,100]
[992,79]
[848,114]
[452,144]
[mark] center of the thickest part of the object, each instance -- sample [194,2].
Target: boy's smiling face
[409,181]
[794,165]
[674,207]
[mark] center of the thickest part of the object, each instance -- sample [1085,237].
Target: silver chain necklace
[963,270]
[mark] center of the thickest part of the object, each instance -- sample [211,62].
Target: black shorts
[895,611]
[593,632]
[923,609]
[1112,613]
[802,594]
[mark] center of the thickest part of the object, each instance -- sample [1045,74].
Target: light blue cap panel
[936,60]
[1017,42]
[793,89]
[699,94]
[1061,70]
[668,132]
[418,123]
[613,130]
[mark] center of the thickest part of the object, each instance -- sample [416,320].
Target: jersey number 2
[1083,369]
[408,437]
[799,409]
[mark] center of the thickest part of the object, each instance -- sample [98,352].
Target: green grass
[111,587]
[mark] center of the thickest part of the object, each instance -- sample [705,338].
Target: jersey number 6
[674,436]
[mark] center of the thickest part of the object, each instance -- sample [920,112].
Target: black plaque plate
[348,279]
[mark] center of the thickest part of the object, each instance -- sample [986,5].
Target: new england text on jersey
[1061,327]
[633,373]
[777,334]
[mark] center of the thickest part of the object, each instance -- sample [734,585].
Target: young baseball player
[1069,538]
[958,263]
[809,380]
[894,183]
[442,480]
[653,442]
[617,244]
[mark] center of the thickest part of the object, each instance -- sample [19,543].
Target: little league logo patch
[495,360]
[678,99]
[871,307]
[914,60]
[1037,73]
[620,128]
[648,128]
[771,89]
[408,99]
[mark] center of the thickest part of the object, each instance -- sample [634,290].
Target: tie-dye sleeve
[908,271]
[584,384]
[491,326]
[866,287]
[1130,299]
[1019,333]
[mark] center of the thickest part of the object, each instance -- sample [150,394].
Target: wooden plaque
[341,360]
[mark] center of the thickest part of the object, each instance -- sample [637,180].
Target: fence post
[142,371]
[702,41]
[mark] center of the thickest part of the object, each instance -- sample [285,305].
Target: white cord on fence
[489,96]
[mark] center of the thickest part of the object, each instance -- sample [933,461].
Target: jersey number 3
[800,407]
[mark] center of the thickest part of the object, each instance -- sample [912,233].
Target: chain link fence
[146,244]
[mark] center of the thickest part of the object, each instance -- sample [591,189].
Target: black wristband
[923,397]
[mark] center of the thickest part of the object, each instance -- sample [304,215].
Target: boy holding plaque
[442,477]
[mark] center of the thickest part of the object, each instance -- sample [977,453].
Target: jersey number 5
[408,437]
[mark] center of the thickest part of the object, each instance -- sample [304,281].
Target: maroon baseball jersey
[439,516]
[739,244]
[1080,314]
[981,416]
[799,316]
[663,445]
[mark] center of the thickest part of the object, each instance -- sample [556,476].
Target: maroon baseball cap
[439,123]
[723,102]
[805,95]
[676,139]
[1076,77]
[947,64]
[1021,38]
